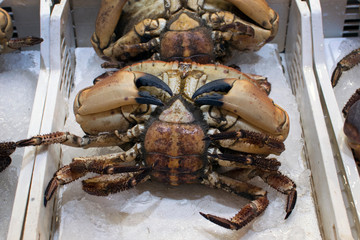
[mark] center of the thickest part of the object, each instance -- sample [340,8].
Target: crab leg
[345,64]
[249,212]
[282,184]
[6,31]
[239,97]
[106,164]
[241,160]
[247,141]
[275,179]
[105,184]
[66,138]
[23,42]
[117,90]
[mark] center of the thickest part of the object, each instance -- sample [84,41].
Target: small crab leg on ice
[345,64]
[6,31]
[239,97]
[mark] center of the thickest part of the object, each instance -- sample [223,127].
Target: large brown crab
[6,31]
[191,30]
[351,110]
[178,123]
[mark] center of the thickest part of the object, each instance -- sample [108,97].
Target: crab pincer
[240,96]
[119,89]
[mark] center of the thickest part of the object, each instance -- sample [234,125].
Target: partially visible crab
[192,30]
[6,31]
[351,112]
[178,123]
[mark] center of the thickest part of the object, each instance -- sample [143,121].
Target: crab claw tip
[219,85]
[213,100]
[220,221]
[291,201]
[147,79]
[50,190]
[146,98]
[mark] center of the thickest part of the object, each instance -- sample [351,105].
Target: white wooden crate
[330,26]
[71,26]
[30,18]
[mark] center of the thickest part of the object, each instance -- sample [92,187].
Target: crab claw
[247,100]
[117,90]
[6,149]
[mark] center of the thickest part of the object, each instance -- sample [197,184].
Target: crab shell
[115,102]
[127,30]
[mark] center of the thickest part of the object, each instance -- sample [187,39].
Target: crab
[351,112]
[6,31]
[174,30]
[178,123]
[352,107]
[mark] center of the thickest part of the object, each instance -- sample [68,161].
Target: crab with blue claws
[176,123]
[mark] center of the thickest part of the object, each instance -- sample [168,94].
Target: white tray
[27,22]
[326,55]
[325,191]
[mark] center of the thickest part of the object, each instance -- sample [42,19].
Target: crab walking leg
[239,96]
[79,167]
[104,164]
[249,212]
[240,160]
[275,179]
[284,185]
[66,138]
[247,141]
[23,42]
[106,184]
[345,64]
